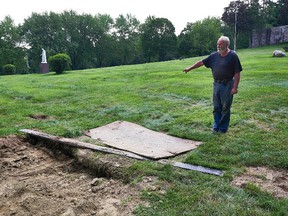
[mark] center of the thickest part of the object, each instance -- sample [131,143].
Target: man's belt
[224,81]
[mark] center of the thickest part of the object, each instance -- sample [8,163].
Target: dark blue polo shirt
[223,68]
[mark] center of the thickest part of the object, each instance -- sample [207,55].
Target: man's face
[221,46]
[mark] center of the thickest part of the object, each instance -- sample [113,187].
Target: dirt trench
[35,180]
[38,180]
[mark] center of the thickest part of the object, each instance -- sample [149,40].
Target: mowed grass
[159,96]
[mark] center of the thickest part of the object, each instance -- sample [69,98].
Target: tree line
[93,41]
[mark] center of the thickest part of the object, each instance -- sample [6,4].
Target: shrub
[8,69]
[59,62]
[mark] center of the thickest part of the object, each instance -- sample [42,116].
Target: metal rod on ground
[192,167]
[79,144]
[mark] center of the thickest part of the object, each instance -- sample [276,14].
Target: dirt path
[35,181]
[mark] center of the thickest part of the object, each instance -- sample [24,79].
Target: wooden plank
[134,138]
[79,144]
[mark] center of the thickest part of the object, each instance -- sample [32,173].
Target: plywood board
[140,140]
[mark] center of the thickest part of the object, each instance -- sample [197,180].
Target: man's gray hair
[225,39]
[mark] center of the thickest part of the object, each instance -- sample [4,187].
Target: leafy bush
[59,62]
[8,69]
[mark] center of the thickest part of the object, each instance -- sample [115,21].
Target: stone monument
[44,66]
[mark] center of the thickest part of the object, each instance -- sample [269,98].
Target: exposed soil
[36,181]
[271,181]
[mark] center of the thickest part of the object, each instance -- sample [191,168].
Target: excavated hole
[39,116]
[100,164]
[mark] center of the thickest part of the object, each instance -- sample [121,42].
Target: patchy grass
[161,97]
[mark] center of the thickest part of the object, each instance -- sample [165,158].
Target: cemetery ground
[36,180]
[42,180]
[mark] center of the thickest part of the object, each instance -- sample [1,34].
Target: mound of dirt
[272,181]
[36,181]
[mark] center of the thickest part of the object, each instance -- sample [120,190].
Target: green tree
[158,39]
[269,13]
[185,42]
[85,38]
[199,38]
[37,33]
[12,49]
[103,44]
[282,15]
[254,15]
[237,14]
[79,34]
[127,37]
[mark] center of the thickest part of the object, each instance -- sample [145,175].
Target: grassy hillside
[161,97]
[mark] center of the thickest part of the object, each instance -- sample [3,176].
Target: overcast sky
[179,12]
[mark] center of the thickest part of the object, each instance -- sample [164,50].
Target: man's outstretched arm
[196,65]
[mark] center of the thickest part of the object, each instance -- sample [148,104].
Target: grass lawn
[161,97]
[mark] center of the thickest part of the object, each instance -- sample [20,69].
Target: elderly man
[226,68]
